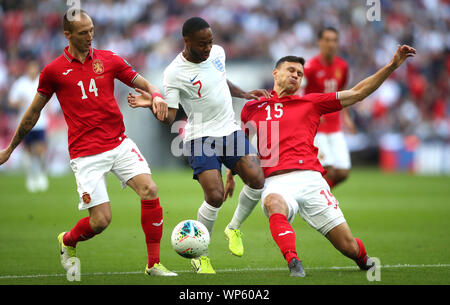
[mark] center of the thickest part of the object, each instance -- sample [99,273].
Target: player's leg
[320,209]
[326,156]
[342,162]
[212,185]
[38,151]
[99,217]
[31,163]
[86,228]
[244,162]
[133,170]
[342,239]
[249,169]
[251,173]
[206,168]
[277,209]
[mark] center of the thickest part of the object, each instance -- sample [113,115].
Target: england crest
[218,65]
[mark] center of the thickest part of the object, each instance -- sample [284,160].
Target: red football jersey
[324,77]
[286,128]
[85,92]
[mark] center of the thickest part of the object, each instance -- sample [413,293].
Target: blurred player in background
[295,184]
[20,98]
[325,73]
[196,79]
[83,80]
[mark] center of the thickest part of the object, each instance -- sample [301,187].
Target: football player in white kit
[20,98]
[197,80]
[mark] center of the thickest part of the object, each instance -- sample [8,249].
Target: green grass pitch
[403,220]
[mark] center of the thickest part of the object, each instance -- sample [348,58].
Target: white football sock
[207,215]
[248,198]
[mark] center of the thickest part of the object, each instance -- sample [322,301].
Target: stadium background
[404,126]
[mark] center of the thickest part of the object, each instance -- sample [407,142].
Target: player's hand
[142,100]
[160,108]
[229,185]
[4,155]
[256,94]
[403,52]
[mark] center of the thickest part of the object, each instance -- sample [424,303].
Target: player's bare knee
[99,223]
[148,191]
[257,181]
[214,198]
[275,204]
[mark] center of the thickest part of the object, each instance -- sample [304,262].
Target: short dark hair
[290,58]
[67,24]
[327,28]
[193,25]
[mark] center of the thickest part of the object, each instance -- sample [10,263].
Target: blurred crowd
[415,100]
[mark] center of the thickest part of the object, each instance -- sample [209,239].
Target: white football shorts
[125,161]
[333,150]
[308,194]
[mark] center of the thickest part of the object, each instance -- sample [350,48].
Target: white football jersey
[203,92]
[23,90]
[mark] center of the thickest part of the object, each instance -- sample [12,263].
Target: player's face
[82,34]
[328,44]
[199,44]
[288,76]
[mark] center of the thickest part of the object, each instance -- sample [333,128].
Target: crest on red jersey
[338,74]
[97,66]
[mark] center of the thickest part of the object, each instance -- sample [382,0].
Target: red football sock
[284,235]
[81,232]
[362,254]
[152,224]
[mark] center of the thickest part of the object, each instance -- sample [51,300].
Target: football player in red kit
[294,182]
[83,80]
[326,73]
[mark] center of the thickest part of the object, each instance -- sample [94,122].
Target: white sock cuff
[254,194]
[208,212]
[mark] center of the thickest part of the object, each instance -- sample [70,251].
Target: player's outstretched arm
[251,95]
[29,119]
[367,86]
[150,97]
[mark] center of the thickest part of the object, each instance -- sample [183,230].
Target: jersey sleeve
[247,125]
[325,102]
[124,71]
[171,89]
[46,85]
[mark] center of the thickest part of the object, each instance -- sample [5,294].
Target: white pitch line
[3,277]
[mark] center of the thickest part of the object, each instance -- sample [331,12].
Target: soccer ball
[190,239]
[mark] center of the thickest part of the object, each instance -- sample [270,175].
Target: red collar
[286,97]
[70,58]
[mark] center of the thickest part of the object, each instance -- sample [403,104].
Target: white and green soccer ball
[190,239]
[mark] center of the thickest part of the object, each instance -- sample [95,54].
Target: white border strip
[5,277]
